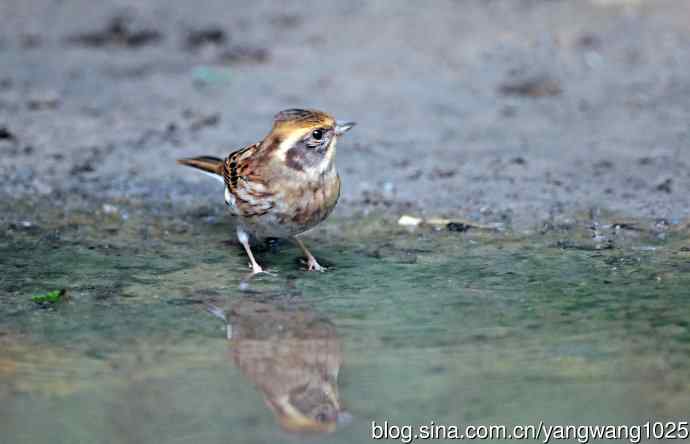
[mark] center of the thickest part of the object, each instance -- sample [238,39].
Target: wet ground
[554,134]
[408,326]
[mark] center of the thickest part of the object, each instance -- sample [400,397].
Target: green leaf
[50,297]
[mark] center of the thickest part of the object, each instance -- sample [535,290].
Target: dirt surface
[505,111]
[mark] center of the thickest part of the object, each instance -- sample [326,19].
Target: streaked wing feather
[250,194]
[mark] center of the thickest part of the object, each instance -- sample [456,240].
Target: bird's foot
[313,265]
[257,269]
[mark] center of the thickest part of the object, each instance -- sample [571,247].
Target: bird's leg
[243,237]
[311,260]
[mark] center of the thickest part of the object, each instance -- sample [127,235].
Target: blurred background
[549,137]
[512,111]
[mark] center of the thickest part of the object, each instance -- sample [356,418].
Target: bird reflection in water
[292,355]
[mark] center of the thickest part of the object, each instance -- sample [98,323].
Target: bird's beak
[343,127]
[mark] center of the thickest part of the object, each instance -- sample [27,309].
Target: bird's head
[305,139]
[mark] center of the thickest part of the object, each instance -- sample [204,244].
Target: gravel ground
[502,110]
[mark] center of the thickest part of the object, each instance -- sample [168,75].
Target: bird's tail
[208,164]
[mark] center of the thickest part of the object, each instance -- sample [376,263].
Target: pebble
[110,209]
[409,221]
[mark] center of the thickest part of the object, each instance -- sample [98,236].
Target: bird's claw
[259,270]
[312,265]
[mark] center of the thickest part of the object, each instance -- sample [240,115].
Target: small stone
[665,186]
[532,87]
[207,36]
[457,227]
[110,209]
[6,134]
[409,221]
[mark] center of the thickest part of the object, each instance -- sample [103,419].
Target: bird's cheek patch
[294,158]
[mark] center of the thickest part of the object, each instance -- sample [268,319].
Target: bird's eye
[317,134]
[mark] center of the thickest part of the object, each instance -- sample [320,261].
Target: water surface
[406,326]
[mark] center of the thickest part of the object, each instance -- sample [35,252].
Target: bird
[283,185]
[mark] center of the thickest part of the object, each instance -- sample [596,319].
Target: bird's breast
[296,207]
[310,202]
[288,205]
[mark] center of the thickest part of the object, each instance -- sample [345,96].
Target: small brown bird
[285,184]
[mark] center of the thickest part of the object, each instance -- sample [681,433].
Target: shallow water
[406,326]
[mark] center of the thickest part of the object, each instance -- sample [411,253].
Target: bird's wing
[247,192]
